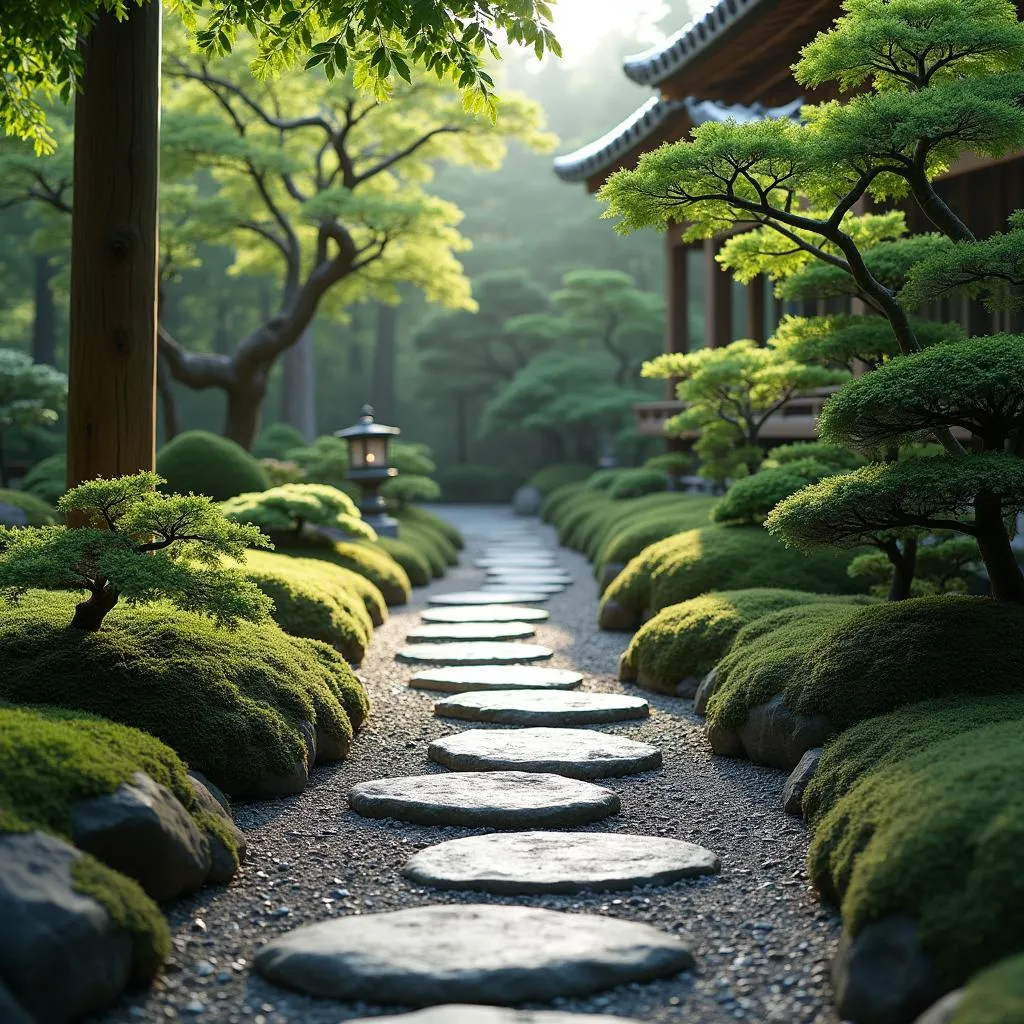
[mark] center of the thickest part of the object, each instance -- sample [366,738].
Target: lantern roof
[367,426]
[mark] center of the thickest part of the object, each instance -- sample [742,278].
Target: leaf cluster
[31,394]
[291,506]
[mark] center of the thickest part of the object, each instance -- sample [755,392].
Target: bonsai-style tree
[31,395]
[938,78]
[284,512]
[941,567]
[729,393]
[136,545]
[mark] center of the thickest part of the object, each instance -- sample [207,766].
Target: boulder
[143,831]
[724,740]
[274,785]
[799,779]
[222,863]
[61,954]
[607,575]
[944,1010]
[616,618]
[211,790]
[705,690]
[527,501]
[687,687]
[627,670]
[11,1011]
[330,747]
[775,736]
[882,976]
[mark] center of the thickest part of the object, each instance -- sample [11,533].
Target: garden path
[760,939]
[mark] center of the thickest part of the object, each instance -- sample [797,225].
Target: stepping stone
[451,1013]
[552,574]
[485,597]
[527,580]
[537,707]
[445,633]
[472,653]
[543,589]
[516,562]
[520,863]
[473,953]
[460,679]
[493,799]
[577,753]
[486,613]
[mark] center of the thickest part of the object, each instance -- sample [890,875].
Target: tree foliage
[31,394]
[288,508]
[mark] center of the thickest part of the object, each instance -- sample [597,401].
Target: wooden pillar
[717,298]
[755,310]
[677,329]
[112,351]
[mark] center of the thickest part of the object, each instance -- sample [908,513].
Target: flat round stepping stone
[494,799]
[520,863]
[452,1013]
[515,562]
[545,590]
[539,707]
[439,632]
[463,678]
[481,652]
[577,753]
[540,575]
[485,597]
[472,953]
[486,613]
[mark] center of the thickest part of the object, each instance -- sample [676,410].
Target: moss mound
[655,520]
[36,511]
[425,517]
[688,564]
[204,463]
[433,547]
[995,996]
[936,836]
[229,703]
[369,560]
[687,640]
[556,498]
[275,440]
[414,564]
[635,483]
[338,580]
[550,477]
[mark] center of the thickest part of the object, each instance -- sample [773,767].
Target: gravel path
[761,939]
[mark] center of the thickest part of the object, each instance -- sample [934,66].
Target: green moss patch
[371,561]
[205,463]
[413,563]
[995,996]
[550,477]
[425,517]
[648,524]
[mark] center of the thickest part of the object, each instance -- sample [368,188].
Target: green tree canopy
[31,394]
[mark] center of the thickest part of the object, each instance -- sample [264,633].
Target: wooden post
[677,333]
[112,350]
[755,310]
[717,298]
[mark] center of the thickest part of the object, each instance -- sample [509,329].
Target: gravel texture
[761,939]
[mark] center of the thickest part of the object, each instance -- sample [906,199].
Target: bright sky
[581,24]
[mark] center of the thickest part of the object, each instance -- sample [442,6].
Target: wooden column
[717,298]
[677,325]
[755,310]
[112,351]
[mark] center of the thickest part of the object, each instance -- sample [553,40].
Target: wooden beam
[717,298]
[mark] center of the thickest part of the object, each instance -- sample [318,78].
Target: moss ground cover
[205,463]
[551,477]
[653,521]
[995,996]
[371,561]
[415,565]
[425,517]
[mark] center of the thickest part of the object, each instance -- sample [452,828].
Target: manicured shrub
[995,996]
[594,529]
[685,641]
[325,461]
[370,560]
[275,440]
[835,456]
[477,484]
[334,578]
[431,546]
[284,512]
[556,498]
[603,479]
[47,479]
[751,498]
[28,510]
[230,703]
[657,521]
[675,464]
[634,483]
[413,561]
[425,517]
[688,564]
[203,463]
[550,477]
[406,488]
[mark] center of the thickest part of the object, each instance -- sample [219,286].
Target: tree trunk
[89,614]
[904,565]
[112,349]
[168,401]
[44,320]
[242,420]
[994,543]
[461,429]
[382,389]
[298,385]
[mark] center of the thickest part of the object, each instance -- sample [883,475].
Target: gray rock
[452,1013]
[61,954]
[627,670]
[526,577]
[522,560]
[501,586]
[613,616]
[882,976]
[214,791]
[331,746]
[479,954]
[725,740]
[944,1010]
[527,501]
[686,687]
[576,753]
[562,862]
[798,781]
[143,831]
[222,864]
[307,730]
[542,707]
[486,613]
[705,690]
[461,678]
[11,1011]
[607,575]
[775,736]
[441,632]
[274,785]
[470,653]
[487,597]
[12,515]
[495,799]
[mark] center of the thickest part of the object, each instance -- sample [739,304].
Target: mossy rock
[934,835]
[635,483]
[204,463]
[688,564]
[593,534]
[685,641]
[372,561]
[425,517]
[433,547]
[233,704]
[652,521]
[995,996]
[28,510]
[414,563]
[341,582]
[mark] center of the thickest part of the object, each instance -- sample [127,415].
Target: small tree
[31,395]
[729,393]
[285,511]
[136,545]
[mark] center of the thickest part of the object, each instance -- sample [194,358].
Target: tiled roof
[642,123]
[655,65]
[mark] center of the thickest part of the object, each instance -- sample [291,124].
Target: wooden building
[736,62]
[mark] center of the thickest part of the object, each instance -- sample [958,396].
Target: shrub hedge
[550,477]
[413,562]
[371,561]
[204,463]
[635,483]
